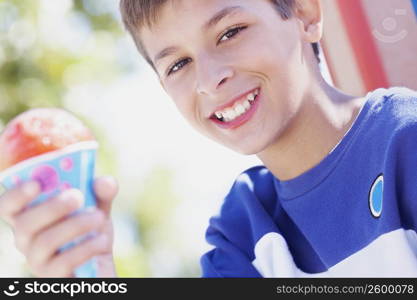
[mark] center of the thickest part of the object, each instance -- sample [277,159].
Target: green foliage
[32,71]
[156,201]
[154,211]
[133,264]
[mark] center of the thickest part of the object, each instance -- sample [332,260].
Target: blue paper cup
[56,171]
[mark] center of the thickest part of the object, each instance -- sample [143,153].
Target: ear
[310,19]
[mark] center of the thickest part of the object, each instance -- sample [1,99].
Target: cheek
[269,49]
[183,96]
[279,65]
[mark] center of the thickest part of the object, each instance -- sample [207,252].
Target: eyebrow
[214,20]
[166,52]
[221,15]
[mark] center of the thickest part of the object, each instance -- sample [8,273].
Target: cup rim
[86,145]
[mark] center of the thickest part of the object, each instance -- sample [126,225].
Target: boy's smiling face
[213,57]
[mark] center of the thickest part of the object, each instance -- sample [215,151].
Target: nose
[211,74]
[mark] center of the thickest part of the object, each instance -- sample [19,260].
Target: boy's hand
[41,230]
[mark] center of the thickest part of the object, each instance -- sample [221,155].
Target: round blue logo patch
[376,196]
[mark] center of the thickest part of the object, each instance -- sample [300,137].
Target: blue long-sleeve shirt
[352,215]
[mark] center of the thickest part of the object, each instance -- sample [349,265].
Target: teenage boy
[336,195]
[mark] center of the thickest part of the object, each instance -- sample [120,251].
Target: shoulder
[249,204]
[393,134]
[391,112]
[391,125]
[255,184]
[400,103]
[398,93]
[254,179]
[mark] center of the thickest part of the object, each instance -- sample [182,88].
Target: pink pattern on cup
[47,177]
[66,164]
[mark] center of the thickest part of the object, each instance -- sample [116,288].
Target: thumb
[106,189]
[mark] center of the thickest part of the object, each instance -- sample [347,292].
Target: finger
[108,229]
[47,243]
[105,189]
[15,200]
[63,264]
[33,220]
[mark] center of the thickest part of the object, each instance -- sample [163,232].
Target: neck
[325,116]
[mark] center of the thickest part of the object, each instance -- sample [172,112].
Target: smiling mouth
[238,109]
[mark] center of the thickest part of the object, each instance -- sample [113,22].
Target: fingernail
[109,179]
[71,194]
[107,182]
[30,188]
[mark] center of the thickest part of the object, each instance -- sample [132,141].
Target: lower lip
[241,119]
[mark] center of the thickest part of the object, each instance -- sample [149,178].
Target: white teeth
[246,104]
[238,109]
[218,115]
[230,114]
[225,115]
[251,97]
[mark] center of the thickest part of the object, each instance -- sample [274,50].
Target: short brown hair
[137,13]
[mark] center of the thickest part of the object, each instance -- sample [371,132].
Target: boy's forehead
[173,13]
[176,17]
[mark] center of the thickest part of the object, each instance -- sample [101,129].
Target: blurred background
[75,54]
[370,43]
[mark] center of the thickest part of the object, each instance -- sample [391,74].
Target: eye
[178,66]
[230,33]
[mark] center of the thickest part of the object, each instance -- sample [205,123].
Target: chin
[249,149]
